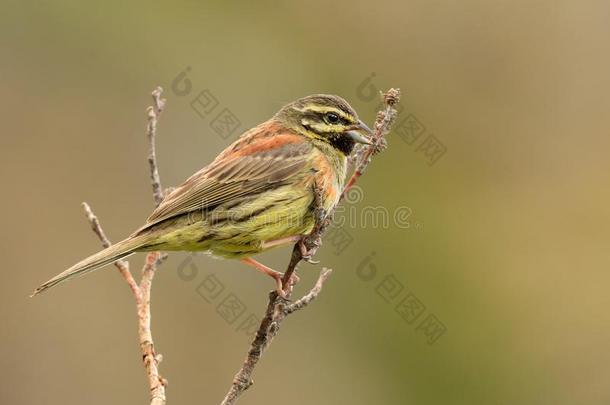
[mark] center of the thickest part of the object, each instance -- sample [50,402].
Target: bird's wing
[251,165]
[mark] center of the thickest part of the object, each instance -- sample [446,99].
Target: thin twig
[277,307]
[383,123]
[153,112]
[122,265]
[151,359]
[311,295]
[141,292]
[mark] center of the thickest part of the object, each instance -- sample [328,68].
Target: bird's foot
[286,289]
[282,290]
[308,252]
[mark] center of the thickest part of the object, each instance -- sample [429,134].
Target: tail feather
[107,256]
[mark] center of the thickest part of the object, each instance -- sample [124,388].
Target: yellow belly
[241,231]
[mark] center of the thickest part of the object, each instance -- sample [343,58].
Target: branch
[141,292]
[275,313]
[277,307]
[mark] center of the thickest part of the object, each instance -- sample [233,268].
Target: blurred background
[491,288]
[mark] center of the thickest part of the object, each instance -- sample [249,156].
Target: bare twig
[141,292]
[153,259]
[383,123]
[153,112]
[122,265]
[278,307]
[311,295]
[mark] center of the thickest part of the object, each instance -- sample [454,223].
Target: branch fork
[141,291]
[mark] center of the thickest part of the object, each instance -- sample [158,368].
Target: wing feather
[261,163]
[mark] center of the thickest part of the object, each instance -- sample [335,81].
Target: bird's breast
[329,177]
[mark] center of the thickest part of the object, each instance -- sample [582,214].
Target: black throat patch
[342,142]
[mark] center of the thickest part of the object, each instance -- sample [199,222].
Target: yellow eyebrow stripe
[326,109]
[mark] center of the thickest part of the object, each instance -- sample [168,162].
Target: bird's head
[326,118]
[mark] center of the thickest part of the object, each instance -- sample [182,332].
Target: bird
[259,193]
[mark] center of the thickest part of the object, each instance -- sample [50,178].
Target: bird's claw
[284,290]
[306,253]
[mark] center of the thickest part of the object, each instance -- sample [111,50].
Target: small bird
[260,192]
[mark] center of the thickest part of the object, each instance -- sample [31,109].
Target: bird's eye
[332,118]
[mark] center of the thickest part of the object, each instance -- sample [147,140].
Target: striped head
[325,118]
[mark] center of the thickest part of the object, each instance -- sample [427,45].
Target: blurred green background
[508,239]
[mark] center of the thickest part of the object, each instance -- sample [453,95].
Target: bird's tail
[107,256]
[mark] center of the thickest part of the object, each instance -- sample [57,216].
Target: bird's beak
[356,135]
